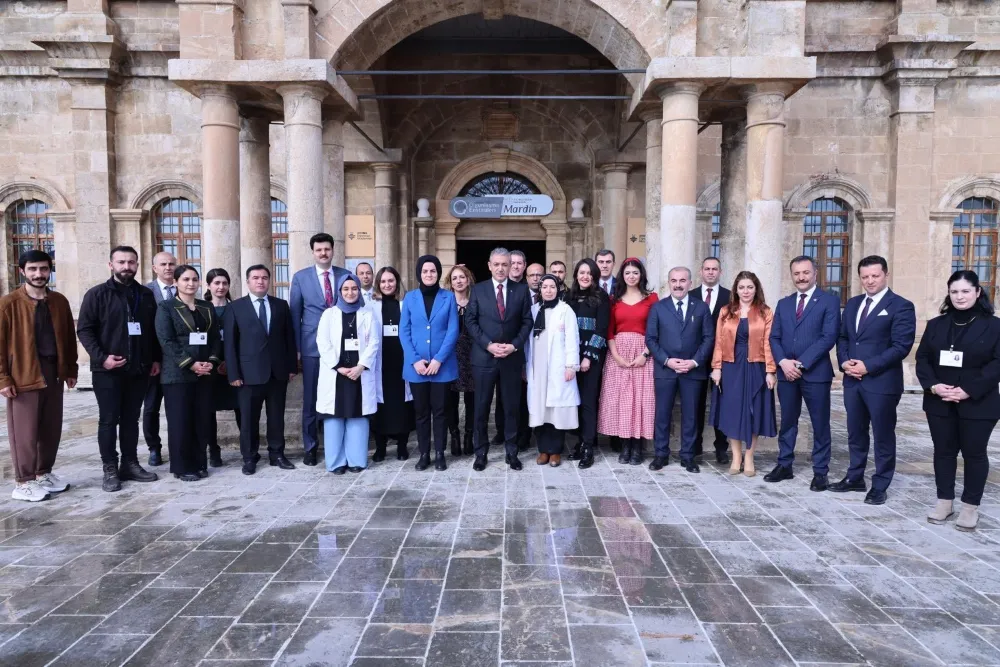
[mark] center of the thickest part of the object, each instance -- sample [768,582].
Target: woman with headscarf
[348,341]
[428,331]
[394,417]
[553,358]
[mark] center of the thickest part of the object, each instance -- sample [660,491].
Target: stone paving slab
[615,565]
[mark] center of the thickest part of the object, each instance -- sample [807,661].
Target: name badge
[352,344]
[198,338]
[951,358]
[134,329]
[390,330]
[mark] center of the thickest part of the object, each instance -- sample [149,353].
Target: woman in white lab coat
[348,339]
[553,359]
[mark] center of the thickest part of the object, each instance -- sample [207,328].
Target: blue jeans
[345,442]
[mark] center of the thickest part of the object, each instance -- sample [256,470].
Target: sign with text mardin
[501,206]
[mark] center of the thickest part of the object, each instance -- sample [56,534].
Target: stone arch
[972,186]
[278,190]
[32,188]
[829,186]
[157,191]
[710,196]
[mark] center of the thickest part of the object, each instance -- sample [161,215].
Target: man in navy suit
[876,334]
[715,297]
[313,291]
[680,338]
[260,362]
[805,329]
[605,259]
[163,289]
[498,318]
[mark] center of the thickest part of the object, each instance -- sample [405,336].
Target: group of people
[595,352]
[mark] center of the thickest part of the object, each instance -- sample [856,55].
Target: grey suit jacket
[154,287]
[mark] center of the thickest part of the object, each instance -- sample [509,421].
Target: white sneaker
[52,483]
[30,491]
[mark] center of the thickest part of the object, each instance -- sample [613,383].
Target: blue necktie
[262,314]
[680,312]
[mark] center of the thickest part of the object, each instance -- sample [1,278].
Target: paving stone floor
[396,568]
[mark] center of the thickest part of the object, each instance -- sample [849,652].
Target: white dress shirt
[809,295]
[713,298]
[873,310]
[165,289]
[506,290]
[267,308]
[607,284]
[684,306]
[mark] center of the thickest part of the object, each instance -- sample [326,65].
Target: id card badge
[352,344]
[134,329]
[951,358]
[198,338]
[390,330]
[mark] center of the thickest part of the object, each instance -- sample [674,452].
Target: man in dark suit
[680,338]
[163,289]
[805,329]
[260,362]
[715,297]
[876,334]
[605,259]
[498,318]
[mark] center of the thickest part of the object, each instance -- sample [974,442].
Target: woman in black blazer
[958,365]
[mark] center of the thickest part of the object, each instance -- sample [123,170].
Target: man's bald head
[534,273]
[163,267]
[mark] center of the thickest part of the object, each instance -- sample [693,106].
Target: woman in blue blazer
[428,331]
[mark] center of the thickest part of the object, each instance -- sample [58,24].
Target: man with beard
[366,274]
[558,269]
[37,355]
[116,327]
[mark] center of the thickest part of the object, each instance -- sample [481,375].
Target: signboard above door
[501,206]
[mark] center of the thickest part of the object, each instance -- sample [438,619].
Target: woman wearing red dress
[627,399]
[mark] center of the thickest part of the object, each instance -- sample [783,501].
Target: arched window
[496,183]
[826,237]
[29,227]
[974,240]
[177,229]
[279,236]
[716,231]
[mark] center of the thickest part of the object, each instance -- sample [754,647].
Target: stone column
[298,18]
[555,243]
[614,209]
[305,174]
[423,226]
[678,223]
[256,242]
[333,190]
[654,181]
[765,170]
[577,238]
[220,169]
[386,229]
[445,245]
[733,199]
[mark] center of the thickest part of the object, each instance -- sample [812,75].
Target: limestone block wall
[966,132]
[35,125]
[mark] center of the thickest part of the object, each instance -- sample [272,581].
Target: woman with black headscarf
[553,358]
[428,331]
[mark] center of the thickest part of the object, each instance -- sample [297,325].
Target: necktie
[801,307]
[864,313]
[538,297]
[171,291]
[500,305]
[680,312]
[262,313]
[327,289]
[604,286]
[708,296]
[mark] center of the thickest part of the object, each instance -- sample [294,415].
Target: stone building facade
[232,130]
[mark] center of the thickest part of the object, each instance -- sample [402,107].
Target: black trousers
[721,442]
[429,401]
[451,412]
[253,397]
[523,430]
[589,385]
[952,435]
[506,378]
[190,415]
[213,441]
[151,413]
[119,402]
[550,439]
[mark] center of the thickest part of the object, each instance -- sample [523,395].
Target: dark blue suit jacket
[810,339]
[307,303]
[252,354]
[882,343]
[667,337]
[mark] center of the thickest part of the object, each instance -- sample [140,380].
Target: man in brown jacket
[37,354]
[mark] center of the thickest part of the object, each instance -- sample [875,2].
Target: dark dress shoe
[819,483]
[424,463]
[283,463]
[355,469]
[575,454]
[439,463]
[339,470]
[402,453]
[187,477]
[780,473]
[658,463]
[721,457]
[587,459]
[514,462]
[379,454]
[637,454]
[845,485]
[691,466]
[249,467]
[875,497]
[203,473]
[310,458]
[215,460]
[155,459]
[132,471]
[480,464]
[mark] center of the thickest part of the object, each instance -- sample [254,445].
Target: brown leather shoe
[555,460]
[542,459]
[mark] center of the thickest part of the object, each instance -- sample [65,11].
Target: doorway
[476,254]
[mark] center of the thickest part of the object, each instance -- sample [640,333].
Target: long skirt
[745,406]
[628,402]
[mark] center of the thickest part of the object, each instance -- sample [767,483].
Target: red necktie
[327,289]
[708,296]
[500,305]
[802,306]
